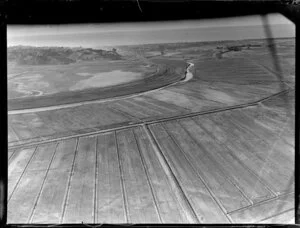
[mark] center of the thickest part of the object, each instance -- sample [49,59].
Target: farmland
[218,148]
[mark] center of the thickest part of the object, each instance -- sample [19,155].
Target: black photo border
[39,12]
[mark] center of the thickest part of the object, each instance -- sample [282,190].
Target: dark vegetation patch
[27,55]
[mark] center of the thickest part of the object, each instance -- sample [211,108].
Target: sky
[113,34]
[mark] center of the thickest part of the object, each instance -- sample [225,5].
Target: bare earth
[218,148]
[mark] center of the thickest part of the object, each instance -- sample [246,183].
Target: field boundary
[14,145]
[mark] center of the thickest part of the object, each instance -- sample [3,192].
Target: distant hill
[28,55]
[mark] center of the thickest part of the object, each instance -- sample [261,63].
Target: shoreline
[188,76]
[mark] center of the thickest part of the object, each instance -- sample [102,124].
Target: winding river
[188,75]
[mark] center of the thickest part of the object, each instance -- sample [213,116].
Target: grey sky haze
[97,35]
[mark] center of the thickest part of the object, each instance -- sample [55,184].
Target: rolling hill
[28,55]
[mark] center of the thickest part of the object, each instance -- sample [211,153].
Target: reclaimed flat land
[216,149]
